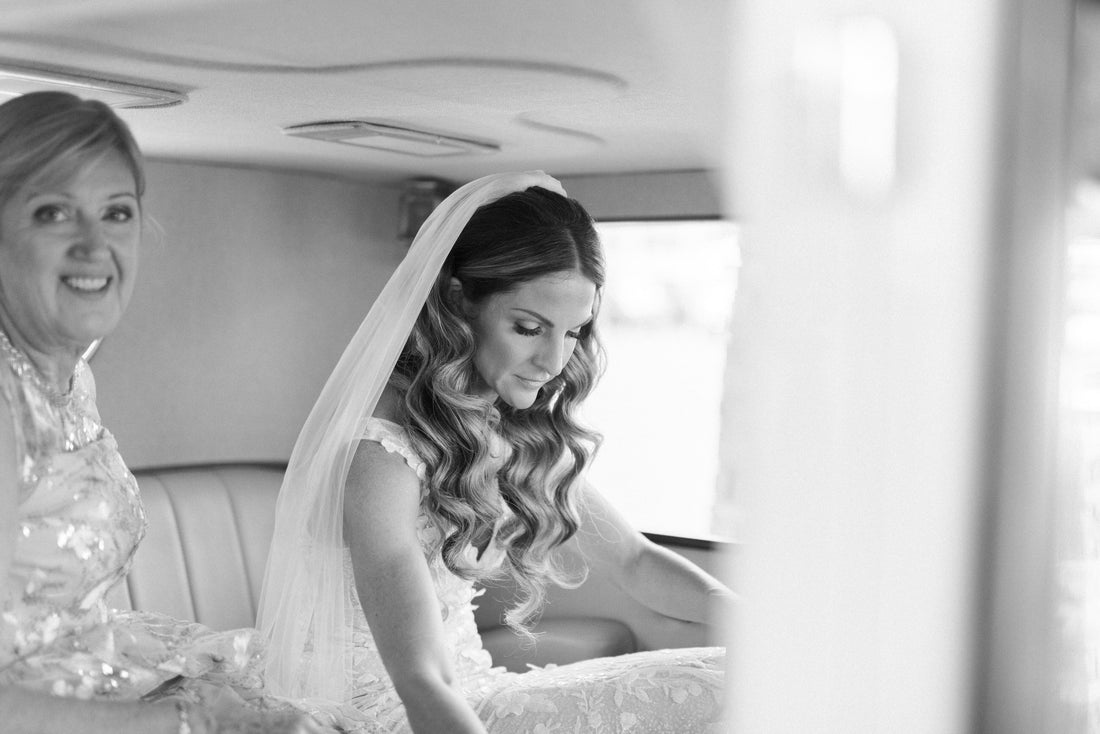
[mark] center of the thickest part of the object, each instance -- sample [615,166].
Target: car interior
[851,316]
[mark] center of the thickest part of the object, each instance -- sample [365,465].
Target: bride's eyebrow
[536,316]
[547,322]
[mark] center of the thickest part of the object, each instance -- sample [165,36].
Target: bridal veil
[302,606]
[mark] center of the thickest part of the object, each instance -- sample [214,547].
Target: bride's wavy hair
[482,454]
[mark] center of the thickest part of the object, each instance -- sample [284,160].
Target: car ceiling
[575,87]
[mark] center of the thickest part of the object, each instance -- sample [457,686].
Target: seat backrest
[207,542]
[209,532]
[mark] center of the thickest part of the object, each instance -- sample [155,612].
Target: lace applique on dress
[394,439]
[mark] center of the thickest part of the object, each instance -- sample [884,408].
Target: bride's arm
[662,580]
[381,504]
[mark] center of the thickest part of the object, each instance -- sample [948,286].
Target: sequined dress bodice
[79,514]
[79,520]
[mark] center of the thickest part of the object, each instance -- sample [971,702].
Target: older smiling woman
[71,185]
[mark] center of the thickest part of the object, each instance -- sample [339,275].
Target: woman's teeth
[87,284]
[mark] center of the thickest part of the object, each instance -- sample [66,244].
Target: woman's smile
[87,285]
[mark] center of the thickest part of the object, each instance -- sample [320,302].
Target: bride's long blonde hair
[482,456]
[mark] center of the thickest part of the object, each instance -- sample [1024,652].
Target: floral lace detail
[394,439]
[674,691]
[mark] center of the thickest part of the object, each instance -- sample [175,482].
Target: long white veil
[304,586]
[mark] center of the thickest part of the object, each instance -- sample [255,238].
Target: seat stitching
[178,537]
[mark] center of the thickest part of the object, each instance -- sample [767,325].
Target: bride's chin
[523,403]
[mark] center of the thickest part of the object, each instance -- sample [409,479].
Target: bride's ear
[458,299]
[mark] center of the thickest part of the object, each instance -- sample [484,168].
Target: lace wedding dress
[676,691]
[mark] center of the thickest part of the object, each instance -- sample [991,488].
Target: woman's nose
[91,240]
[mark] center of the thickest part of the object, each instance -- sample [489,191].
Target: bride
[444,451]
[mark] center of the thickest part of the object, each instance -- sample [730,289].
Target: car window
[664,321]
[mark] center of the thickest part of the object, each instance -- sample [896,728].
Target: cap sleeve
[394,439]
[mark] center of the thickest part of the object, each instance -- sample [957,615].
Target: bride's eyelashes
[537,330]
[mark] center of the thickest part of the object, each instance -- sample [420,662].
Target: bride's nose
[550,358]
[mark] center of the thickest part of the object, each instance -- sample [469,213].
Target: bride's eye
[527,330]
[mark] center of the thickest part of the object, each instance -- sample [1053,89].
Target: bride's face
[526,336]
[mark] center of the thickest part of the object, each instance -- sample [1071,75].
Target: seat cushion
[206,546]
[204,553]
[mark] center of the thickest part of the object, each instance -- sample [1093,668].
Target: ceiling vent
[392,138]
[17,80]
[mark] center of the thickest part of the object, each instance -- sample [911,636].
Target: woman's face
[525,337]
[68,256]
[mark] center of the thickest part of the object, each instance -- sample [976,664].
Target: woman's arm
[29,712]
[381,505]
[662,580]
[9,490]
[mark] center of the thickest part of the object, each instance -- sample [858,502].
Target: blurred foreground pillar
[899,172]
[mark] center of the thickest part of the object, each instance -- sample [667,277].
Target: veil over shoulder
[302,602]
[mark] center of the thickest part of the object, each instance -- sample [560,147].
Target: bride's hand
[246,721]
[288,723]
[224,712]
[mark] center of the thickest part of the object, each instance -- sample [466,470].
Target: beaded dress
[79,522]
[674,691]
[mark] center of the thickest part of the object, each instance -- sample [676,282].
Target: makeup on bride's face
[526,336]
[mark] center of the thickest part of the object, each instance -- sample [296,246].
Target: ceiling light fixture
[18,80]
[391,138]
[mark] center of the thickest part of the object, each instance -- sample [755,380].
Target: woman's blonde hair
[47,137]
[484,457]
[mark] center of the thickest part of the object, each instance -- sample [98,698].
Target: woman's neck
[56,367]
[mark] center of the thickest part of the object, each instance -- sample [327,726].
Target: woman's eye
[120,213]
[528,330]
[50,214]
[573,334]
